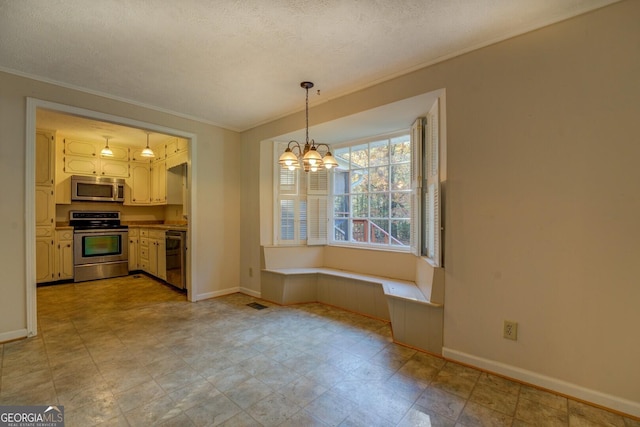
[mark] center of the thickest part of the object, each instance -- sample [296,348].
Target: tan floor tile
[331,408]
[442,403]
[478,415]
[544,398]
[302,391]
[140,354]
[249,392]
[582,415]
[422,417]
[495,399]
[193,394]
[539,414]
[273,410]
[212,412]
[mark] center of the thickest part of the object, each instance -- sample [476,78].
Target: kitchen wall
[127,213]
[215,187]
[542,202]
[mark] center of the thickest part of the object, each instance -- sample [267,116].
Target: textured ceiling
[238,63]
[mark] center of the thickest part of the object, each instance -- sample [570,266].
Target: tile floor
[132,352]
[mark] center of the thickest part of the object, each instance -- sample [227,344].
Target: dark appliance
[100,245]
[176,256]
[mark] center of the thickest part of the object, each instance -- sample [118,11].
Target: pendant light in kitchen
[147,152]
[106,151]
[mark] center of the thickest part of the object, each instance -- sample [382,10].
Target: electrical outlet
[510,330]
[250,272]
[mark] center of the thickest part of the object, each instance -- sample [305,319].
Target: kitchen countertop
[181,227]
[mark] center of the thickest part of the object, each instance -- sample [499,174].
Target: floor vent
[256,305]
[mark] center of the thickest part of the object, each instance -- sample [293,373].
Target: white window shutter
[317,220]
[317,207]
[318,182]
[432,200]
[416,182]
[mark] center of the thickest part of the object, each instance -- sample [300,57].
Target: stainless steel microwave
[97,189]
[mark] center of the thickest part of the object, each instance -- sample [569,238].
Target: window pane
[341,231]
[360,156]
[401,177]
[380,205]
[342,154]
[379,153]
[379,178]
[400,232]
[379,231]
[340,182]
[358,229]
[360,181]
[360,206]
[400,149]
[400,205]
[341,206]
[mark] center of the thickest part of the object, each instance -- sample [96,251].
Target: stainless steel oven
[100,245]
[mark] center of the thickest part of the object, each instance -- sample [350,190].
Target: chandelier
[308,156]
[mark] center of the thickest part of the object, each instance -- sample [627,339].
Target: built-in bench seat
[415,320]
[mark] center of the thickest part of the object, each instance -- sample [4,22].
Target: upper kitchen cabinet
[137,157]
[138,189]
[160,152]
[83,158]
[77,148]
[159,182]
[45,157]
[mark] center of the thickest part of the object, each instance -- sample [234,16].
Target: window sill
[371,248]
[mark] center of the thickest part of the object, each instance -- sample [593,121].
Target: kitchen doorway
[33,105]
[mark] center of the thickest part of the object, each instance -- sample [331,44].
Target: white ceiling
[238,64]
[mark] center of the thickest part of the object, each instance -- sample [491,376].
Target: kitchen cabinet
[83,158]
[157,254]
[45,258]
[143,249]
[159,182]
[175,146]
[45,206]
[114,168]
[64,254]
[160,152]
[152,252]
[138,189]
[133,248]
[45,157]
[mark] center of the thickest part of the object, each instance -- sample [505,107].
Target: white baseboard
[549,383]
[13,335]
[251,292]
[215,294]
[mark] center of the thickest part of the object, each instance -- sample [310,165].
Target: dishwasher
[176,258]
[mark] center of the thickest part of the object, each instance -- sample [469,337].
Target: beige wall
[215,161]
[542,201]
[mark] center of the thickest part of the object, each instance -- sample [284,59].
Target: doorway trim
[30,184]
